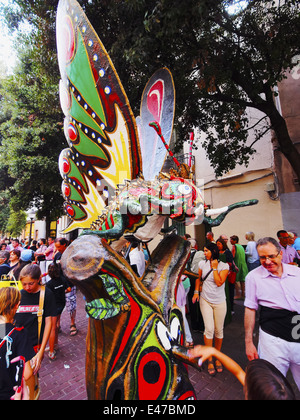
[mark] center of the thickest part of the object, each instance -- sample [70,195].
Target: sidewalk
[64,378]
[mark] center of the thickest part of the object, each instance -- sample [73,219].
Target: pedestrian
[262,381]
[4,263]
[192,268]
[14,259]
[49,253]
[239,258]
[289,254]
[59,286]
[15,245]
[60,245]
[14,343]
[211,284]
[226,256]
[26,257]
[210,238]
[275,288]
[296,243]
[35,314]
[40,255]
[225,238]
[251,252]
[33,245]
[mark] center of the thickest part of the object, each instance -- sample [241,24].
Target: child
[13,343]
[59,287]
[261,381]
[28,312]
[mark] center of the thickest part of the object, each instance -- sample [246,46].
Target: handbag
[33,382]
[231,276]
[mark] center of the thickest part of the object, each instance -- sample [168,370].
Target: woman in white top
[251,252]
[212,300]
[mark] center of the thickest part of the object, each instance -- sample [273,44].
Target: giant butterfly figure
[113,188]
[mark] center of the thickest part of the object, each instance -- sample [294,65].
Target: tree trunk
[287,147]
[48,222]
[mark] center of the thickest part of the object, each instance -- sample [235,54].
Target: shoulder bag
[203,279]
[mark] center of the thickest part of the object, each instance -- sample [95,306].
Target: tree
[16,223]
[31,134]
[222,64]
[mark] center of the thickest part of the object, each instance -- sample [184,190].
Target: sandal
[211,369]
[52,355]
[73,330]
[219,367]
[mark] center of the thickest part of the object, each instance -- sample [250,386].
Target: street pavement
[64,378]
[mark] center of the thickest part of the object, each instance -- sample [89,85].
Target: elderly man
[275,286]
[289,254]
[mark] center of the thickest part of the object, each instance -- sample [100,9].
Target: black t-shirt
[58,287]
[18,344]
[56,260]
[27,313]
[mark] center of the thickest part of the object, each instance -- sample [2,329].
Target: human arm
[219,277]
[249,323]
[37,359]
[205,352]
[27,370]
[197,287]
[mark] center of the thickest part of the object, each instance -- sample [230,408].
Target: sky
[7,53]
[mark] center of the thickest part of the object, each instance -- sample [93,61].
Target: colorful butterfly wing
[99,124]
[158,104]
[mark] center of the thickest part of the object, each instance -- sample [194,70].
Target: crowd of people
[265,273]
[30,318]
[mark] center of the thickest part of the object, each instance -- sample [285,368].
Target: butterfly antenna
[191,148]
[157,128]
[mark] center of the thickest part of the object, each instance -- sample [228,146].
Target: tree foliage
[31,127]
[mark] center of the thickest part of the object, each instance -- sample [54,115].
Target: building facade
[268,178]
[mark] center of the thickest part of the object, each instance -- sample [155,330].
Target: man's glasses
[269,257]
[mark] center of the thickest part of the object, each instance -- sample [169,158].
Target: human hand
[201,352]
[21,392]
[251,351]
[214,264]
[36,362]
[195,298]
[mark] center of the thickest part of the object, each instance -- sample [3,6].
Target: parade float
[116,192]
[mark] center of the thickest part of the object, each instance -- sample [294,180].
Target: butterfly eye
[175,329]
[184,189]
[163,335]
